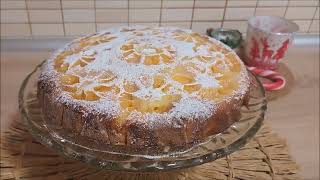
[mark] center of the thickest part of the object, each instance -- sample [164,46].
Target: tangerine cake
[141,87]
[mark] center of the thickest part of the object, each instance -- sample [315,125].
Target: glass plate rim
[221,152]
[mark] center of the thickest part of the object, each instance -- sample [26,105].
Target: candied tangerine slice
[171,97]
[189,39]
[216,69]
[183,78]
[182,75]
[180,37]
[79,63]
[130,87]
[225,91]
[116,90]
[166,58]
[191,87]
[126,47]
[152,59]
[134,58]
[158,81]
[126,103]
[145,81]
[91,96]
[226,76]
[209,93]
[102,88]
[229,84]
[70,89]
[63,68]
[166,88]
[159,106]
[88,58]
[217,47]
[126,96]
[234,63]
[79,94]
[144,106]
[106,76]
[127,53]
[196,67]
[204,58]
[200,39]
[69,79]
[159,50]
[58,61]
[195,47]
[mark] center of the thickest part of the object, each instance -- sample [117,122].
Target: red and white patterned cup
[268,38]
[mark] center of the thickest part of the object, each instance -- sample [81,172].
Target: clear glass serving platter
[212,148]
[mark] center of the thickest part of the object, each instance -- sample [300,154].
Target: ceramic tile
[70,4]
[185,25]
[112,4]
[14,16]
[210,3]
[45,16]
[208,14]
[177,4]
[239,25]
[314,26]
[47,29]
[272,3]
[147,15]
[11,4]
[176,14]
[303,25]
[239,13]
[270,11]
[74,29]
[12,30]
[78,15]
[242,3]
[112,15]
[42,4]
[303,3]
[103,26]
[145,4]
[300,12]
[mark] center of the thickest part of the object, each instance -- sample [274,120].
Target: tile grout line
[192,15]
[95,16]
[224,13]
[62,16]
[128,15]
[255,9]
[160,18]
[313,18]
[28,17]
[285,12]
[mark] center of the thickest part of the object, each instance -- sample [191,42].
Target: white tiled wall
[52,18]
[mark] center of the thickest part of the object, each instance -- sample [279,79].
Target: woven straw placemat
[264,157]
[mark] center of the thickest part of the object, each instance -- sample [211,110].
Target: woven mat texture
[264,157]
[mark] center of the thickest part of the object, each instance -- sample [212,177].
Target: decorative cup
[268,38]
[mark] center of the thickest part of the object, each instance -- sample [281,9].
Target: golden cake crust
[115,111]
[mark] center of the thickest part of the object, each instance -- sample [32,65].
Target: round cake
[141,87]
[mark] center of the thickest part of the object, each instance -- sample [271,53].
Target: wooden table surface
[294,116]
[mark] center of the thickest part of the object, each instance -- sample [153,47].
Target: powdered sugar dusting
[109,57]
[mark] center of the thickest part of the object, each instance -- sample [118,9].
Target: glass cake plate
[214,147]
